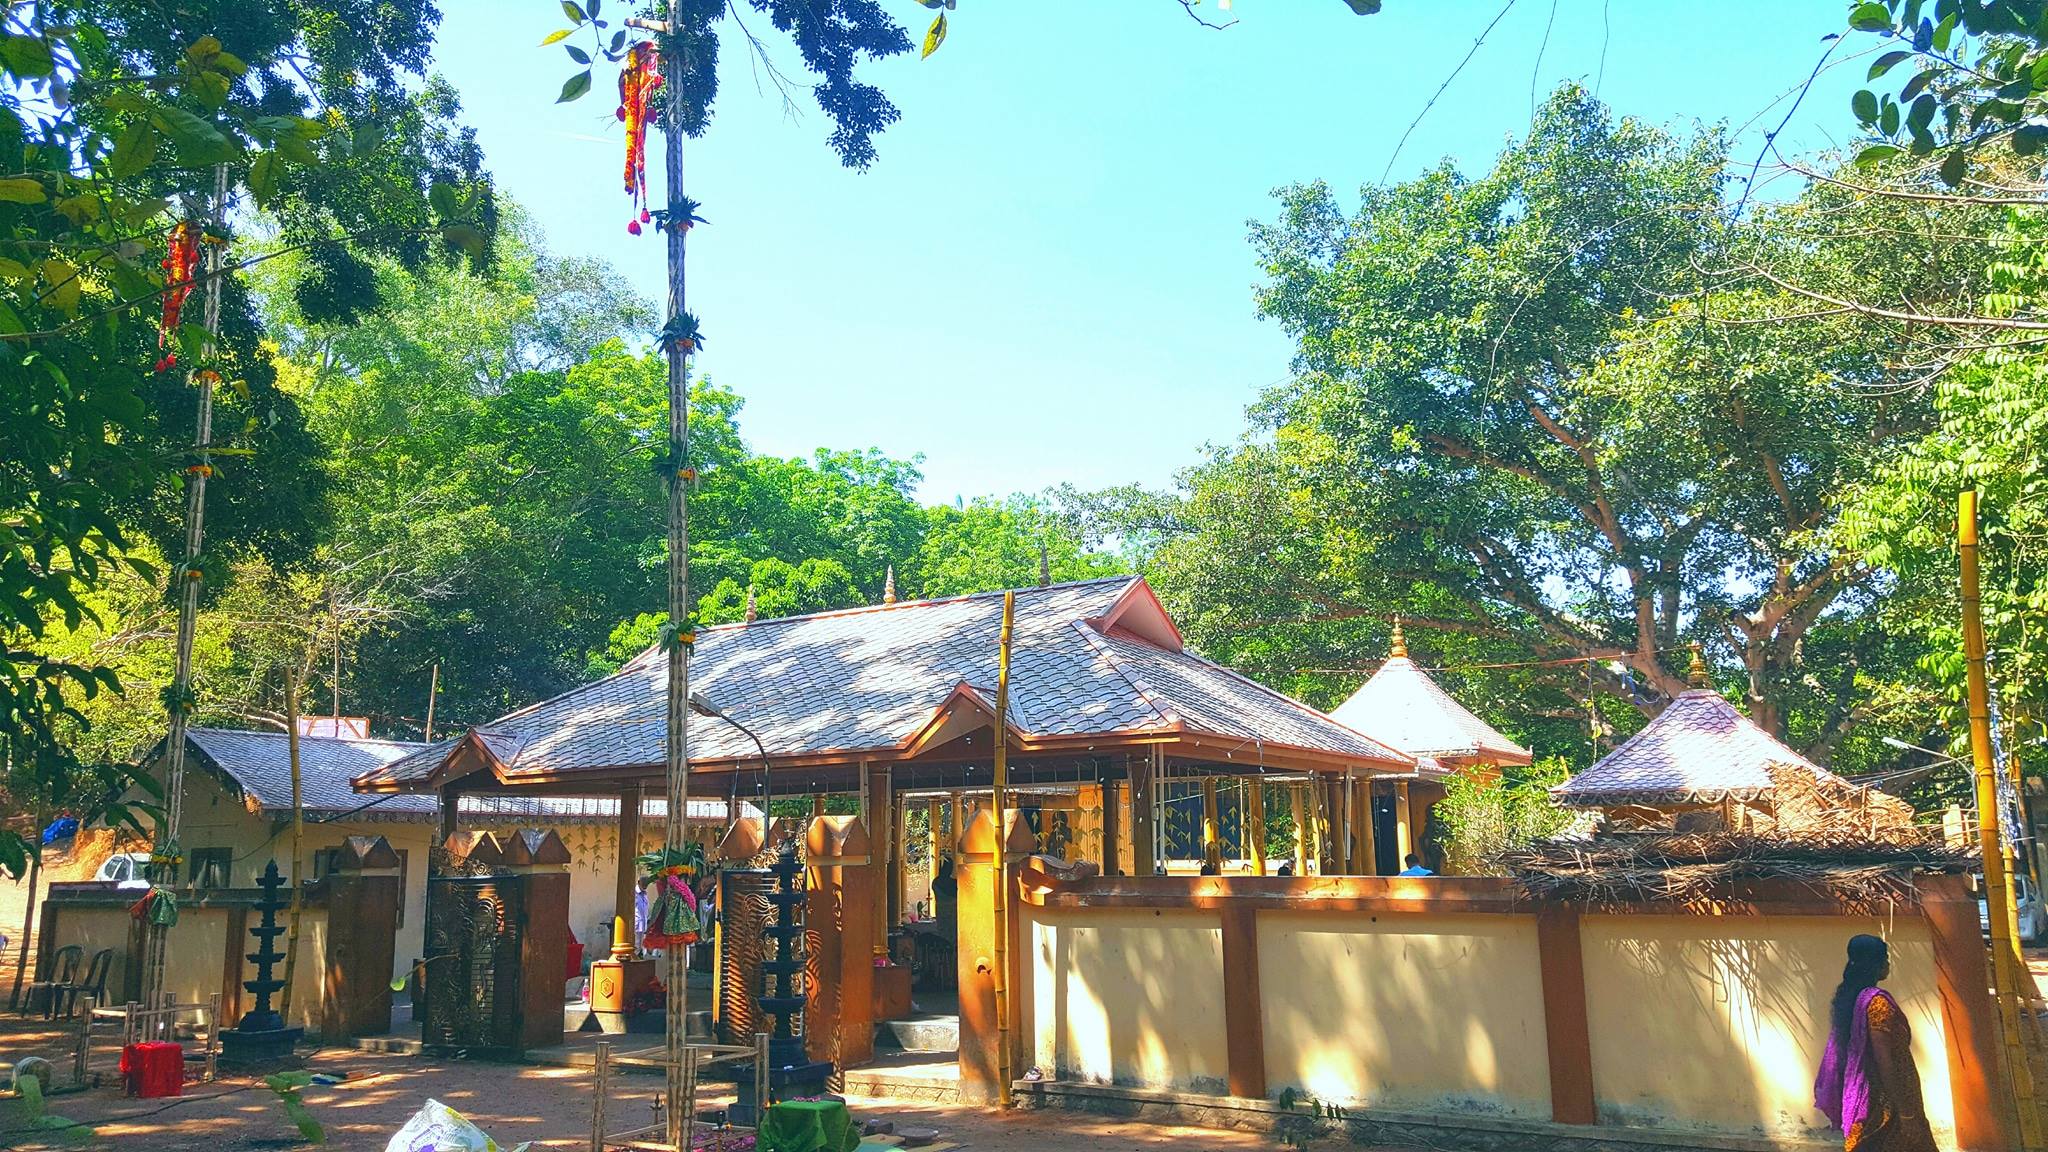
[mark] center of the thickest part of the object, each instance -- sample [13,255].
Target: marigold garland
[638,81]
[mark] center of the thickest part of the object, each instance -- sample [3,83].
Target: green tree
[991,544]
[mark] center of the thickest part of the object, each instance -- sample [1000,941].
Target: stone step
[924,1032]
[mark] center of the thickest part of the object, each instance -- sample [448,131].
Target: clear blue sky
[1045,277]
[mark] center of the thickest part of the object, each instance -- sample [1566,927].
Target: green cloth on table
[808,1126]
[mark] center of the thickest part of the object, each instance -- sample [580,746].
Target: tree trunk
[291,936]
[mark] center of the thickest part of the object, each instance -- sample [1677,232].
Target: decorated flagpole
[678,341]
[179,699]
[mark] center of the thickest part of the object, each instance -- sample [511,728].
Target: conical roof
[1403,707]
[1699,750]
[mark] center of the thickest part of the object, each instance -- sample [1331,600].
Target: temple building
[1402,706]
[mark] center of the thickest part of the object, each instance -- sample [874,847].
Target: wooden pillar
[1368,847]
[1255,824]
[842,890]
[1243,1024]
[449,801]
[1404,834]
[1212,827]
[899,843]
[539,864]
[935,839]
[626,897]
[977,867]
[1142,773]
[1302,831]
[1112,848]
[1418,802]
[880,821]
[1567,1035]
[1347,839]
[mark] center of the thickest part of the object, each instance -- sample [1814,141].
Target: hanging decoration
[181,265]
[672,919]
[638,81]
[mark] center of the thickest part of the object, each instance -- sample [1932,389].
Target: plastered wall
[1405,1011]
[1718,1023]
[1128,997]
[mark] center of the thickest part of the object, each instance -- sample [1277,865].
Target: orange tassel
[181,264]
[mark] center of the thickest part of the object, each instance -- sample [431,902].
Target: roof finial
[889,586]
[1399,650]
[1696,674]
[752,608]
[1044,566]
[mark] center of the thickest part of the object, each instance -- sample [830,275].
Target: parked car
[126,869]
[2033,917]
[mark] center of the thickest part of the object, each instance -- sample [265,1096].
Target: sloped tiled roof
[1403,707]
[1699,750]
[258,765]
[870,679]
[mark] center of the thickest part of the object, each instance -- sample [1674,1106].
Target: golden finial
[753,610]
[889,586]
[1696,674]
[1399,650]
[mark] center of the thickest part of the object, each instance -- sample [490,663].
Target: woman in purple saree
[1868,1086]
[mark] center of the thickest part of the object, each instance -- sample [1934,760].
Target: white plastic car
[125,869]
[2033,917]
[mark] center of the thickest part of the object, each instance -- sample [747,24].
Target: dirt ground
[546,1105]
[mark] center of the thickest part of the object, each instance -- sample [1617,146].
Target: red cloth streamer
[638,81]
[152,1069]
[181,264]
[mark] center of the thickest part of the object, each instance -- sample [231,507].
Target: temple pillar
[363,894]
[880,812]
[1112,848]
[625,901]
[1254,820]
[978,868]
[1404,835]
[539,863]
[1419,800]
[935,841]
[1369,852]
[1212,827]
[1142,775]
[841,895]
[1302,831]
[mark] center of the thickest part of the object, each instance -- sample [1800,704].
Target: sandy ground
[549,1106]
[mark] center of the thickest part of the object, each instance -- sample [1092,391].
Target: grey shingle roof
[1402,706]
[1699,750]
[867,680]
[258,764]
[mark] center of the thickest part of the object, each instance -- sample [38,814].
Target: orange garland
[637,83]
[181,264]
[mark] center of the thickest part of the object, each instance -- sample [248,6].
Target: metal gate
[472,964]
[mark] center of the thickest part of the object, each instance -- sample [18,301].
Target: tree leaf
[575,88]
[133,150]
[201,141]
[557,36]
[1864,105]
[1875,154]
[441,197]
[1870,17]
[264,175]
[1888,120]
[577,54]
[22,190]
[2028,139]
[574,12]
[26,56]
[1954,166]
[934,36]
[463,236]
[1886,63]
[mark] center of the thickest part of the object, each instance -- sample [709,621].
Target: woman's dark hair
[1867,958]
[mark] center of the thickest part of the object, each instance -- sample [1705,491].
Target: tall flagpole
[187,576]
[674,224]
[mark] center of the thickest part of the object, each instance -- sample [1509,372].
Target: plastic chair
[60,972]
[94,984]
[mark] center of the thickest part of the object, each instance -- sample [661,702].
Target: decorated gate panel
[473,964]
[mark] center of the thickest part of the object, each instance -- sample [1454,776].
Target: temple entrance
[473,964]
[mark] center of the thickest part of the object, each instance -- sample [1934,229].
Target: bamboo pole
[200,376]
[1001,883]
[2008,967]
[291,743]
[433,694]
